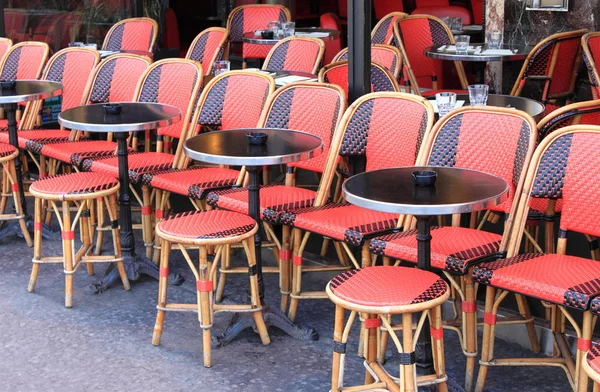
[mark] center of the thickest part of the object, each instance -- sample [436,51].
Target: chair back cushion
[116,77]
[209,46]
[24,60]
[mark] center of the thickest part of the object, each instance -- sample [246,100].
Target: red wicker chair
[113,80]
[302,54]
[72,67]
[445,11]
[286,109]
[387,128]
[383,32]
[252,17]
[337,73]
[332,21]
[555,63]
[10,189]
[590,44]
[231,100]
[422,31]
[209,46]
[462,139]
[386,55]
[562,167]
[24,60]
[134,34]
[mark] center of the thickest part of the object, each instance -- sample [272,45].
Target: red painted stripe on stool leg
[168,145]
[489,318]
[159,214]
[15,187]
[436,333]
[204,286]
[146,210]
[164,272]
[68,235]
[583,344]
[100,199]
[147,134]
[373,323]
[469,306]
[43,174]
[285,254]
[297,260]
[37,225]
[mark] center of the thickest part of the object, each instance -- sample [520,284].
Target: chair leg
[409,379]
[100,226]
[163,283]
[205,311]
[383,342]
[147,233]
[526,314]
[37,243]
[337,368]
[5,189]
[225,263]
[437,345]
[17,200]
[85,233]
[487,344]
[297,272]
[586,332]
[285,267]
[67,242]
[470,330]
[116,234]
[261,327]
[160,199]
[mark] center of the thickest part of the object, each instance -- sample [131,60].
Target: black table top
[455,191]
[518,52]
[529,106]
[230,147]
[135,116]
[30,90]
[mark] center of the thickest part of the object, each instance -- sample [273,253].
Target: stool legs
[37,239]
[67,242]
[163,283]
[261,327]
[116,236]
[10,182]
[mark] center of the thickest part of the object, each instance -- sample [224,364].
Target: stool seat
[7,150]
[387,289]
[207,227]
[74,186]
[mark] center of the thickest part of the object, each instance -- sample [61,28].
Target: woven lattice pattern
[203,51]
[33,140]
[131,35]
[249,19]
[342,222]
[72,69]
[75,183]
[453,249]
[273,200]
[567,61]
[416,35]
[278,56]
[117,78]
[381,56]
[595,306]
[337,75]
[384,31]
[593,358]
[76,152]
[139,164]
[296,55]
[593,45]
[549,180]
[380,80]
[387,286]
[6,149]
[9,71]
[560,279]
[207,224]
[193,182]
[588,115]
[540,61]
[24,62]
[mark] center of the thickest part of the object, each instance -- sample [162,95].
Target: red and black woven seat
[133,34]
[74,184]
[592,359]
[301,54]
[337,73]
[75,153]
[193,182]
[34,139]
[209,46]
[206,224]
[140,163]
[6,150]
[387,286]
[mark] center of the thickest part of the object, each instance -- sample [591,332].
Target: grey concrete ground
[103,342]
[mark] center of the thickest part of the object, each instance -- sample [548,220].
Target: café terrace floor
[103,342]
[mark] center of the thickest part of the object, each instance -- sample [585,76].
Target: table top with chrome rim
[528,105]
[251,38]
[30,90]
[519,52]
[231,147]
[135,116]
[455,191]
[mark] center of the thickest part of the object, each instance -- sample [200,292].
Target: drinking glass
[494,40]
[445,102]
[75,44]
[478,94]
[448,21]
[274,26]
[457,24]
[289,29]
[221,67]
[91,46]
[462,44]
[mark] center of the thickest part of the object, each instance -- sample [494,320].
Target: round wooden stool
[77,193]
[378,293]
[10,188]
[201,230]
[591,366]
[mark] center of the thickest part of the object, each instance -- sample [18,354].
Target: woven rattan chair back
[209,46]
[386,55]
[587,112]
[563,167]
[555,63]
[590,44]
[383,32]
[137,34]
[337,73]
[413,35]
[493,140]
[5,44]
[302,54]
[311,107]
[24,60]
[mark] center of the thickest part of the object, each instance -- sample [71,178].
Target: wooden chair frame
[124,21]
[592,69]
[380,47]
[397,15]
[318,59]
[222,46]
[329,67]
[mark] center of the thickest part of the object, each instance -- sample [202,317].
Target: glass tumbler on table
[445,102]
[494,40]
[275,27]
[478,94]
[462,44]
[457,24]
[289,29]
[221,67]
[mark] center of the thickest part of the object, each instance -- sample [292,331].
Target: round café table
[456,191]
[324,34]
[231,147]
[517,52]
[135,116]
[528,105]
[23,91]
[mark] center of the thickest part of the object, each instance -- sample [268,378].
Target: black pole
[2,26]
[138,8]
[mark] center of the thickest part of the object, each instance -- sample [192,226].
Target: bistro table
[135,116]
[23,91]
[324,34]
[517,52]
[528,105]
[456,191]
[231,147]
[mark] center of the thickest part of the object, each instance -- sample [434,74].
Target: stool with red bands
[63,194]
[201,230]
[380,292]
[10,188]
